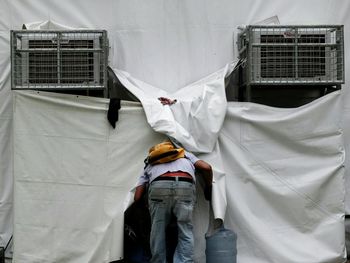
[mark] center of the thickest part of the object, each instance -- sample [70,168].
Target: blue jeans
[167,198]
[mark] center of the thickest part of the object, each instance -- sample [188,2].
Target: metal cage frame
[59,60]
[292,54]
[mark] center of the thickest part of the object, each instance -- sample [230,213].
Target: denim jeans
[167,198]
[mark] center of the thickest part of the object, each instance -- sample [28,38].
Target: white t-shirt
[186,165]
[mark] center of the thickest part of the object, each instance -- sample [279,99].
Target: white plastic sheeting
[285,181]
[280,170]
[195,119]
[73,175]
[6,171]
[165,43]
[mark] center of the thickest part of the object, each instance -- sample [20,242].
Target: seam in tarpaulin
[275,175]
[302,137]
[67,100]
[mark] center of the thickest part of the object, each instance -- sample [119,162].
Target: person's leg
[159,197]
[185,200]
[171,234]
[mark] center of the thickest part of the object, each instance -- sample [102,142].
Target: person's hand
[166,101]
[205,170]
[207,192]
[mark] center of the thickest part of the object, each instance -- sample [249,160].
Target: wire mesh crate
[292,55]
[59,60]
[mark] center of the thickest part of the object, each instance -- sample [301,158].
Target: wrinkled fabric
[197,116]
[167,44]
[278,179]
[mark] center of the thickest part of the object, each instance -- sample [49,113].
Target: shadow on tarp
[137,228]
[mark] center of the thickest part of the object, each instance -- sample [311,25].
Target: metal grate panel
[59,60]
[293,54]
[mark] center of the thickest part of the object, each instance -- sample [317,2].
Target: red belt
[177,174]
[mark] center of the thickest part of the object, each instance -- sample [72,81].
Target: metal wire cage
[292,55]
[59,60]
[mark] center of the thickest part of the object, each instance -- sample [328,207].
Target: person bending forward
[172,192]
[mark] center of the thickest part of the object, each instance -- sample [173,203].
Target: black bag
[137,228]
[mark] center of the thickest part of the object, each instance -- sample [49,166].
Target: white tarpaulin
[283,179]
[195,119]
[167,44]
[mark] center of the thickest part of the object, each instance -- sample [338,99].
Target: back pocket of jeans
[183,211]
[156,200]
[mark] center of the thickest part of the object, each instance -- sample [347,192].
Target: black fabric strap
[113,109]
